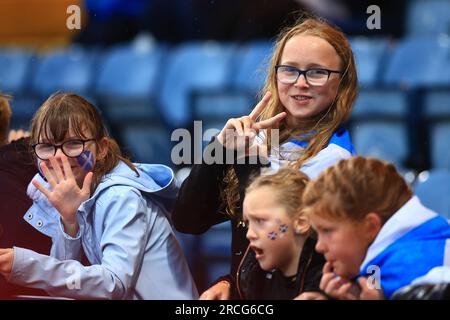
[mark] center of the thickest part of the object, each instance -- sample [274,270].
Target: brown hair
[288,185]
[355,187]
[62,111]
[5,118]
[326,123]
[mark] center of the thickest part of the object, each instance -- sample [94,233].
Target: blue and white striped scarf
[411,243]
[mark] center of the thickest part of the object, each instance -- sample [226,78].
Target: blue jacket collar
[340,137]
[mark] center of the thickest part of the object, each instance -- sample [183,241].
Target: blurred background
[152,66]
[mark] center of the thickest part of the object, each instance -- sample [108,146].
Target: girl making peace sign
[309,92]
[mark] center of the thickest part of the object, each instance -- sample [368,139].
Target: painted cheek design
[272,235]
[283,228]
[86,160]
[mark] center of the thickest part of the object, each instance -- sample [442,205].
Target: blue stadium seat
[383,140]
[433,189]
[437,116]
[250,64]
[14,70]
[23,108]
[378,124]
[439,140]
[380,103]
[190,68]
[128,82]
[419,61]
[437,103]
[146,143]
[428,17]
[216,249]
[68,70]
[369,57]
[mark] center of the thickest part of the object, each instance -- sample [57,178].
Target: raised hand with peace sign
[239,133]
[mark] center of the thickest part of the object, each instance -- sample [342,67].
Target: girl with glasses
[95,203]
[309,92]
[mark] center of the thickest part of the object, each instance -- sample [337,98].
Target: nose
[301,81]
[320,246]
[251,234]
[59,152]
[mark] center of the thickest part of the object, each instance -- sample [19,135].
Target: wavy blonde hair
[288,185]
[355,187]
[62,111]
[325,123]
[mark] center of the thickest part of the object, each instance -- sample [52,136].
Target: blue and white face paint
[85,160]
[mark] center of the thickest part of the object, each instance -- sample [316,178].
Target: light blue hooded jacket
[125,234]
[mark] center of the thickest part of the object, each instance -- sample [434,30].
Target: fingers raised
[67,169]
[87,183]
[48,175]
[41,188]
[57,169]
[265,124]
[259,108]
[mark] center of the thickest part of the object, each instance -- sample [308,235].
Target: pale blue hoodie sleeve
[65,247]
[123,239]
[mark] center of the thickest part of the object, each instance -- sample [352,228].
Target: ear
[372,225]
[102,148]
[301,224]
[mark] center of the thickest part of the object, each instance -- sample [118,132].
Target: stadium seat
[250,64]
[16,67]
[216,249]
[437,116]
[128,82]
[192,67]
[14,70]
[146,143]
[439,141]
[419,61]
[381,104]
[383,140]
[370,55]
[67,70]
[433,189]
[428,17]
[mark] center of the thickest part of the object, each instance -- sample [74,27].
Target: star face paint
[272,235]
[270,231]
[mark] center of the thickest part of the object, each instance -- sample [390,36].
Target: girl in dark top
[309,92]
[280,262]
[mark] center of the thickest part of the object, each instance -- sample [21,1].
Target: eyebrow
[308,66]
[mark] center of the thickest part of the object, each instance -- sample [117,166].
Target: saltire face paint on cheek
[86,160]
